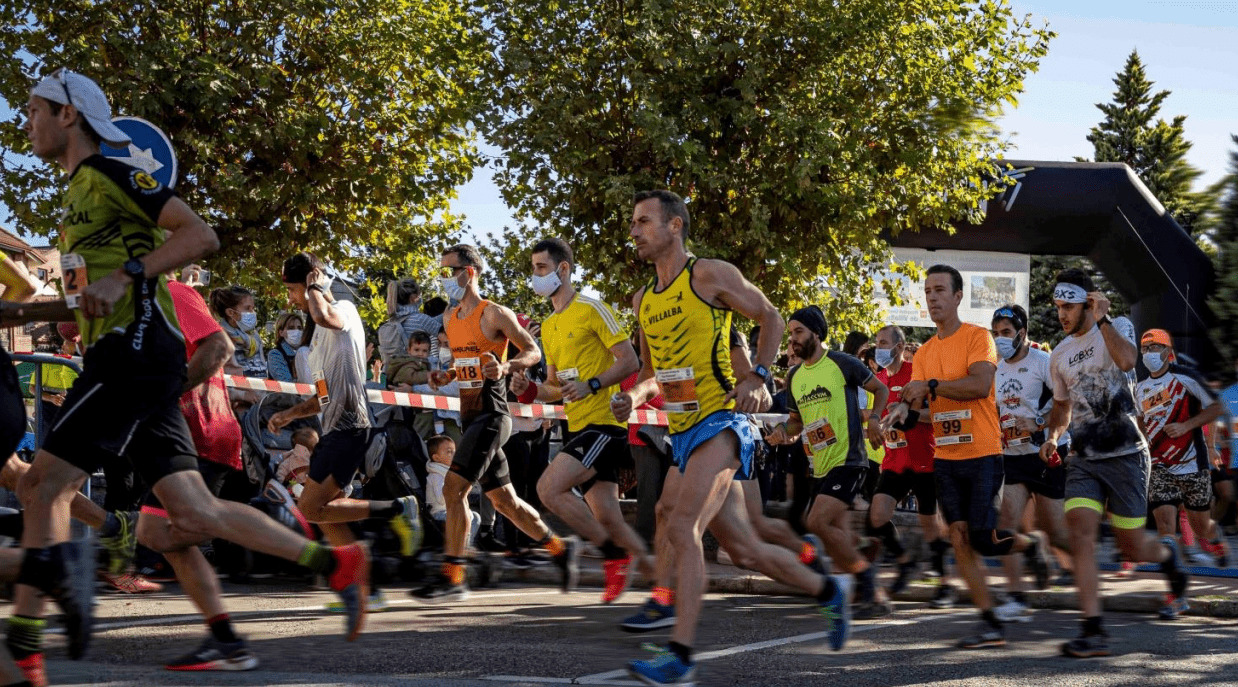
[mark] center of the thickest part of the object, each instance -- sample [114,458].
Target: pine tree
[1132,132]
[1224,301]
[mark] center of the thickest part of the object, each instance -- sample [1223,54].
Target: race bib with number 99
[952,427]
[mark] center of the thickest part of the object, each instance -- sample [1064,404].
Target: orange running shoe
[618,577]
[131,583]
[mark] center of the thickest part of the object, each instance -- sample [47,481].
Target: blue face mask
[248,321]
[1007,348]
[884,357]
[1153,361]
[452,288]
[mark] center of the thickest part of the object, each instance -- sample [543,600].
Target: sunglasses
[448,272]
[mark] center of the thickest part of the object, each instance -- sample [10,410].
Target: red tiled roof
[13,242]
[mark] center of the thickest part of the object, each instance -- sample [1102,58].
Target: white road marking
[272,614]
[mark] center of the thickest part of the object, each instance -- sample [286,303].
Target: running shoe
[1172,607]
[1174,570]
[123,545]
[74,594]
[351,580]
[440,590]
[157,572]
[568,563]
[652,616]
[837,612]
[1202,559]
[131,583]
[944,598]
[377,603]
[217,655]
[903,576]
[1013,612]
[32,667]
[988,636]
[1087,646]
[1065,579]
[871,610]
[819,561]
[407,526]
[618,575]
[1036,560]
[664,669]
[517,561]
[866,585]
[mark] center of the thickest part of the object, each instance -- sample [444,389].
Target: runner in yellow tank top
[587,355]
[685,317]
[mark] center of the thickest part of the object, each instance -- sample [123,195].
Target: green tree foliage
[1132,132]
[1224,302]
[508,268]
[800,130]
[339,126]
[1043,325]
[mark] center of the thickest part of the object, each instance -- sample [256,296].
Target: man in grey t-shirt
[337,363]
[1092,394]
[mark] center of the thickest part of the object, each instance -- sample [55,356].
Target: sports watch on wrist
[932,387]
[319,288]
[762,372]
[134,269]
[595,385]
[1040,421]
[1105,320]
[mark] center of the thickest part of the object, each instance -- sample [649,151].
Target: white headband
[1069,293]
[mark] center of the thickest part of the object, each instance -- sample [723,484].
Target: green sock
[317,558]
[25,636]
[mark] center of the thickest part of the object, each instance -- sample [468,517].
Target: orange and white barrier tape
[536,411]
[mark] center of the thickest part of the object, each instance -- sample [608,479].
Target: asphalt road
[526,636]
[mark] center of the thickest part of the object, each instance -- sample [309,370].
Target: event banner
[990,280]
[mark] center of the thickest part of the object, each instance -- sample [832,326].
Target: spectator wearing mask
[234,306]
[403,319]
[281,360]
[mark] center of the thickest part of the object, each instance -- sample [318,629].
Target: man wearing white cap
[1093,396]
[120,230]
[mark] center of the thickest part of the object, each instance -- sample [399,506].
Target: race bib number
[679,389]
[571,374]
[896,439]
[468,373]
[952,427]
[73,269]
[819,435]
[1011,435]
[1161,400]
[320,388]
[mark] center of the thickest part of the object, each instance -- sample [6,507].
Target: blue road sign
[150,150]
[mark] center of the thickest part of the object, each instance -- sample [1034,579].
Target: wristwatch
[762,372]
[1040,421]
[319,288]
[1105,320]
[932,385]
[595,385]
[134,269]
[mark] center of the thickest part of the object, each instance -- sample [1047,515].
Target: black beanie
[812,318]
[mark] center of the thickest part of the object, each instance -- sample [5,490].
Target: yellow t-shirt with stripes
[689,345]
[578,342]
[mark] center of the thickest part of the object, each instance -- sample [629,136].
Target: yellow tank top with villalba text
[689,345]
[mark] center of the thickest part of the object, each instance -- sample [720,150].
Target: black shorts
[12,409]
[843,483]
[970,490]
[601,448]
[1222,475]
[1036,475]
[339,454]
[479,455]
[126,403]
[870,480]
[897,485]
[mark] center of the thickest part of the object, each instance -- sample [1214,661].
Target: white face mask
[452,288]
[248,321]
[884,357]
[444,354]
[1153,361]
[293,337]
[546,285]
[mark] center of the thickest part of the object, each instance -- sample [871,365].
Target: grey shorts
[1118,485]
[1167,489]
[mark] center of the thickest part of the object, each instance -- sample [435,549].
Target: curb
[1057,598]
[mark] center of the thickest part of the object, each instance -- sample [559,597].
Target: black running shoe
[440,590]
[217,655]
[903,576]
[988,636]
[1087,646]
[1174,569]
[871,610]
[866,585]
[568,563]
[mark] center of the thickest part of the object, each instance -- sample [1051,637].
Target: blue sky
[1189,47]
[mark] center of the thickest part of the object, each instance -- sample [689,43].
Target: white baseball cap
[70,88]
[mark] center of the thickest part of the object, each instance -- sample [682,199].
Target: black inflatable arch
[1104,212]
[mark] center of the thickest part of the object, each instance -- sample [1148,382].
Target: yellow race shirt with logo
[578,342]
[689,345]
[110,215]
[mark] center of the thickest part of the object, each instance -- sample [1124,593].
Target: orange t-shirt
[961,429]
